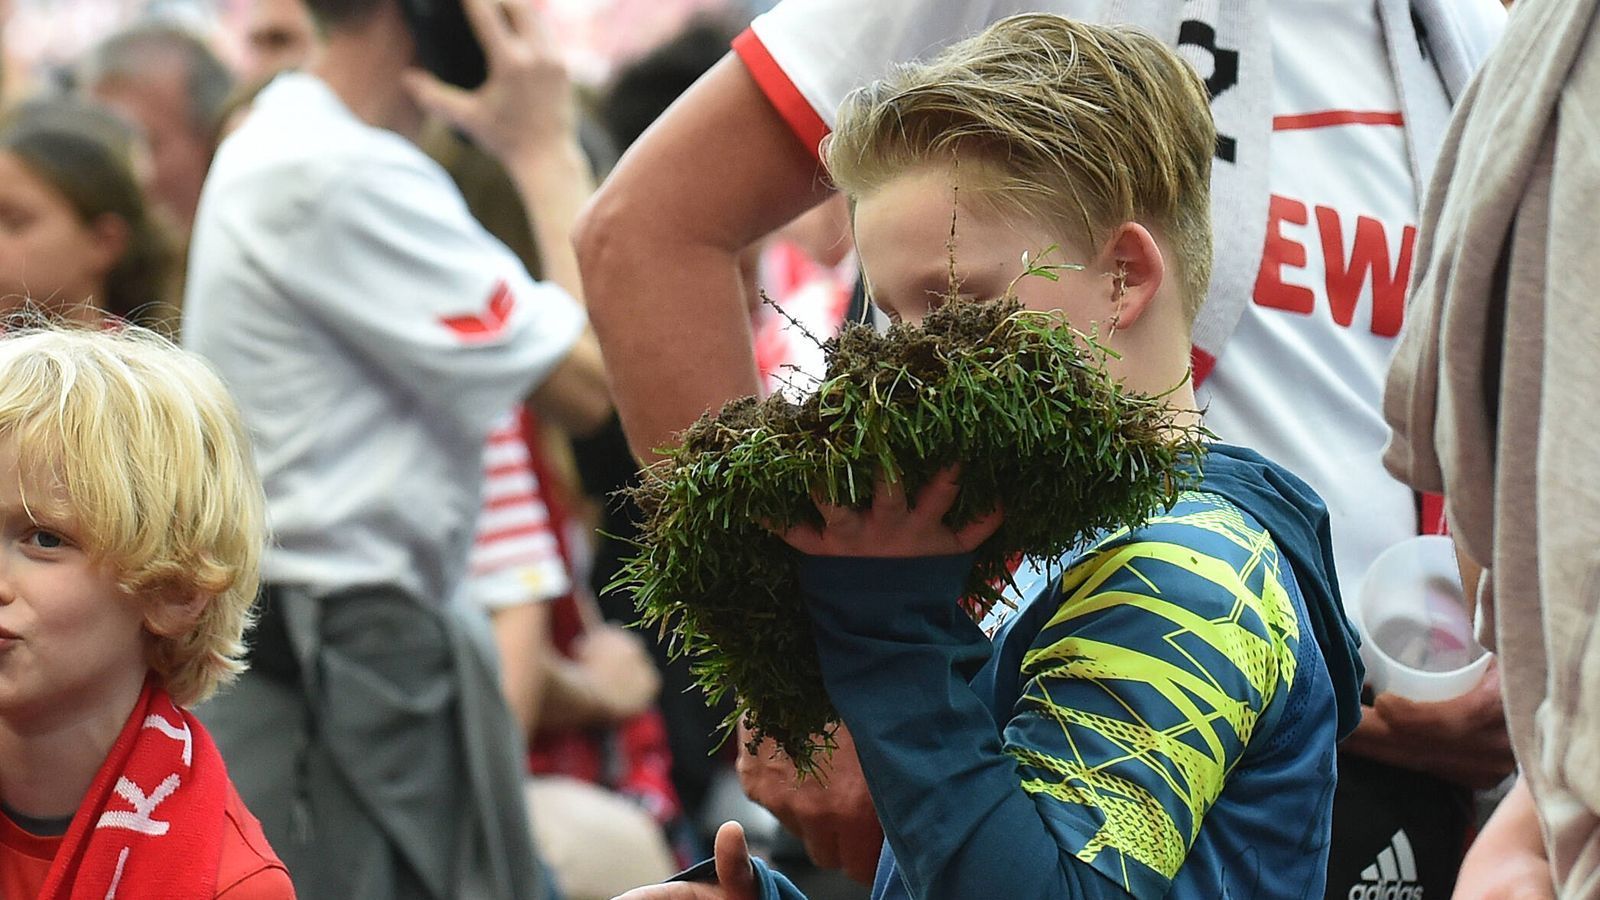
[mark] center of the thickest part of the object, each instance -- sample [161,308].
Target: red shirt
[249,870]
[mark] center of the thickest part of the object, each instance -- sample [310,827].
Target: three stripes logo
[1393,876]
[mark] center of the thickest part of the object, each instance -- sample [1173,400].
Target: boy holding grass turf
[1160,719]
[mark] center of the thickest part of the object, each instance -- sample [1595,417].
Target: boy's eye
[47,540]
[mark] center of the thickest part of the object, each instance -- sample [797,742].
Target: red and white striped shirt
[515,558]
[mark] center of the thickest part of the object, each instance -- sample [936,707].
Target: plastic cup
[1416,625]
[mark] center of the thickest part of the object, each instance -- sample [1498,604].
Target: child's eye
[47,540]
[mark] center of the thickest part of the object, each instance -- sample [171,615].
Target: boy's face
[903,237]
[72,645]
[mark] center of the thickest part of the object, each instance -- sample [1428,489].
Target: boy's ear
[176,613]
[1137,272]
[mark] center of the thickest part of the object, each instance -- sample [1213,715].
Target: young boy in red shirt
[131,528]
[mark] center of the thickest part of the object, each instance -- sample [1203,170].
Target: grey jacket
[1491,396]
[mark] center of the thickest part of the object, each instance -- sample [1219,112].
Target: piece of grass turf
[1020,400]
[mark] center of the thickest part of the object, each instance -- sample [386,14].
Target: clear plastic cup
[1416,624]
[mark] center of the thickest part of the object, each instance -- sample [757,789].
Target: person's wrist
[544,158]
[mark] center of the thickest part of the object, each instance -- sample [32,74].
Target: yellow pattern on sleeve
[1187,762]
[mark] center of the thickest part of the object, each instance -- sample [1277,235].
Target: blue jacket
[1159,720]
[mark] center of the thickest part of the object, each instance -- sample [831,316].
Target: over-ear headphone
[446,45]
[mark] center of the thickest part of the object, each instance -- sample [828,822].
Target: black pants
[1397,834]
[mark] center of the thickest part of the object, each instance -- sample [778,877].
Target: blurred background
[43,37]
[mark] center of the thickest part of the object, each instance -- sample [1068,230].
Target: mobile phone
[446,44]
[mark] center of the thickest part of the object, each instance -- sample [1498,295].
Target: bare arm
[522,635]
[574,395]
[659,247]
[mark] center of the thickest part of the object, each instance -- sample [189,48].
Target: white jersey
[807,55]
[1303,388]
[371,330]
[1301,381]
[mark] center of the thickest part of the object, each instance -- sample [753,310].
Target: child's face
[72,645]
[903,237]
[47,252]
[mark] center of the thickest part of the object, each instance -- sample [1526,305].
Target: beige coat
[1495,394]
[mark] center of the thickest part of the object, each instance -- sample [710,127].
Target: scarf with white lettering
[151,823]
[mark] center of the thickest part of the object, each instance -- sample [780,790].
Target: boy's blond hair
[1076,126]
[147,449]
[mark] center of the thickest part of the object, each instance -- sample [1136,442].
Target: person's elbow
[606,239]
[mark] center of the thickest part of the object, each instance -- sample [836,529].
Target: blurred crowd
[105,156]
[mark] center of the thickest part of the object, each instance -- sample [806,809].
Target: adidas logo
[1393,876]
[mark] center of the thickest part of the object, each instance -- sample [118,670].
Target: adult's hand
[1462,740]
[619,667]
[832,813]
[525,107]
[1507,861]
[735,878]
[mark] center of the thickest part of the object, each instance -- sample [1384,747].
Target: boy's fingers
[979,530]
[805,538]
[890,495]
[936,498]
[734,872]
[832,513]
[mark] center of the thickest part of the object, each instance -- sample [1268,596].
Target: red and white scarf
[151,823]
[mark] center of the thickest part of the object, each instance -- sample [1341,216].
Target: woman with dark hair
[75,237]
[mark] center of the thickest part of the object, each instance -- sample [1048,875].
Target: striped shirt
[515,558]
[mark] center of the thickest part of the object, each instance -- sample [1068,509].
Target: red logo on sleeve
[488,324]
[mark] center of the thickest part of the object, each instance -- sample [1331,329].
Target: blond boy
[132,526]
[1161,719]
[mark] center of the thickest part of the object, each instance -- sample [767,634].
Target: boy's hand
[1462,740]
[736,879]
[892,529]
[832,814]
[526,106]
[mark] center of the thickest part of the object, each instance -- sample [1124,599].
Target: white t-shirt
[1301,380]
[371,331]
